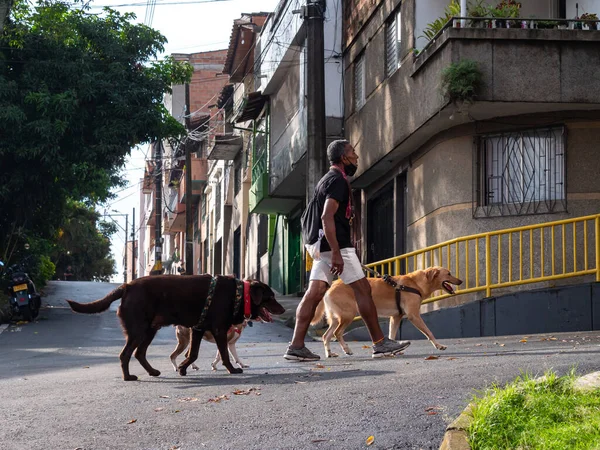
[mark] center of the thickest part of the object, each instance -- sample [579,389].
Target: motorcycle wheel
[26,313]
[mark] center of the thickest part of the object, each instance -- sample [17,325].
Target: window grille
[218,203]
[520,173]
[359,81]
[392,43]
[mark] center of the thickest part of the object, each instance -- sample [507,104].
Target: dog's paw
[182,372]
[130,378]
[235,370]
[154,373]
[441,347]
[348,352]
[332,355]
[243,366]
[195,367]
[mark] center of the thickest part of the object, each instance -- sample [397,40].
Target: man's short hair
[336,150]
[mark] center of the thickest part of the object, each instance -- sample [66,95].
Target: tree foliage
[77,92]
[83,242]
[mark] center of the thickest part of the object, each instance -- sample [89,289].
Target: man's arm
[331,206]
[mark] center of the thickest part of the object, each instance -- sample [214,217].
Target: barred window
[393,32]
[521,172]
[359,81]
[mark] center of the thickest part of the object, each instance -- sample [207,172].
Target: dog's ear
[256,292]
[432,273]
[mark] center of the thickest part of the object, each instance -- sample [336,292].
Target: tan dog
[339,304]
[184,335]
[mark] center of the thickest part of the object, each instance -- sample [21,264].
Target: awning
[252,107]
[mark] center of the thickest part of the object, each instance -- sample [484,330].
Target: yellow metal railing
[510,257]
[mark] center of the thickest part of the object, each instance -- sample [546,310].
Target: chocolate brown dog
[150,303]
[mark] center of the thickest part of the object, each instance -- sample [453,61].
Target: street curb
[455,437]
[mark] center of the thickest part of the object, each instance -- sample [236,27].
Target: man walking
[327,220]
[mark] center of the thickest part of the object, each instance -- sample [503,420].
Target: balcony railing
[522,23]
[511,257]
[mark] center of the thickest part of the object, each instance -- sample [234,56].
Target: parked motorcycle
[24,299]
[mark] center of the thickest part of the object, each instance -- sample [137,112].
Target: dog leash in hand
[397,287]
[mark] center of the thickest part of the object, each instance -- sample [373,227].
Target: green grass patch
[529,414]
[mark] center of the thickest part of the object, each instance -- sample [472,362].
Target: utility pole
[315,95]
[157,269]
[125,261]
[133,247]
[189,218]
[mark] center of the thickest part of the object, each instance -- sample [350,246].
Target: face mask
[350,169]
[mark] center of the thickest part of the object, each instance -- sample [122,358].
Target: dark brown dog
[150,303]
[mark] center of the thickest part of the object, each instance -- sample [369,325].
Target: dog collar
[247,312]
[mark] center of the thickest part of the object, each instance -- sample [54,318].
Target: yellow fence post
[488,266]
[598,248]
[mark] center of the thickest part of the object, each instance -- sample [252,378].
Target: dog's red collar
[247,311]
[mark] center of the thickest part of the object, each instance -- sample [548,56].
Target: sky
[189,26]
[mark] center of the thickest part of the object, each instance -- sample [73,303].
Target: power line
[192,2]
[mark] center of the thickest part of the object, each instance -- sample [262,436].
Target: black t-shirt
[332,185]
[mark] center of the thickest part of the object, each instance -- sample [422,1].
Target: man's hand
[337,263]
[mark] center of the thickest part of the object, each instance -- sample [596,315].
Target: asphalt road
[61,387]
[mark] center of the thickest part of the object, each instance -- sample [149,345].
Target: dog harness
[242,292]
[397,287]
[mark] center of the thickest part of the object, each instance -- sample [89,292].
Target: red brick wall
[356,13]
[206,83]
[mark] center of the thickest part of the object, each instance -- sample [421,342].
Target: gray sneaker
[300,354]
[387,347]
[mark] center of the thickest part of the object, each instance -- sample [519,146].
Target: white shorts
[321,270]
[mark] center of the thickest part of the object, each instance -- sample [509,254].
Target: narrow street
[62,387]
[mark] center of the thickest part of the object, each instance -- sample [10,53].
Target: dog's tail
[319,314]
[99,305]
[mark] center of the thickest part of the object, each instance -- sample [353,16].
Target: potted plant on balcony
[477,10]
[546,24]
[505,10]
[590,17]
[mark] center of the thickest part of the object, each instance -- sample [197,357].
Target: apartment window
[218,203]
[359,81]
[521,172]
[393,30]
[203,207]
[237,176]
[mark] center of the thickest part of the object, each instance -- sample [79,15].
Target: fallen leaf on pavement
[432,408]
[319,440]
[370,440]
[247,391]
[218,399]
[430,357]
[502,345]
[553,339]
[478,345]
[187,399]
[432,413]
[319,366]
[300,382]
[174,448]
[158,409]
[22,322]
[523,340]
[451,358]
[132,421]
[86,367]
[163,396]
[366,346]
